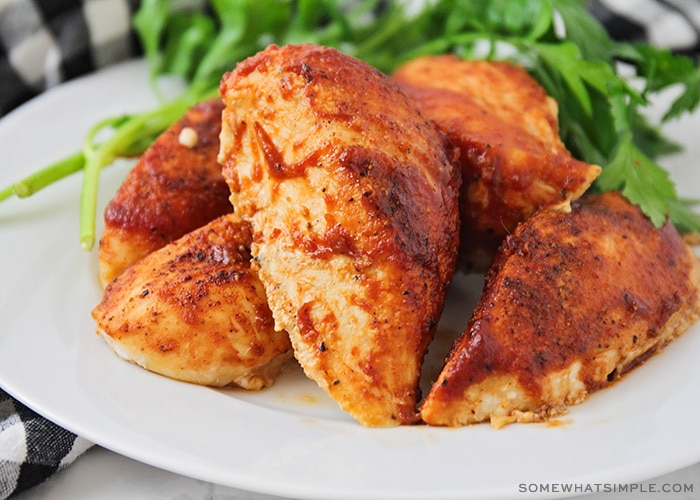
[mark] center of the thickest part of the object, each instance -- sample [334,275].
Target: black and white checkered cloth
[674,24]
[31,447]
[45,42]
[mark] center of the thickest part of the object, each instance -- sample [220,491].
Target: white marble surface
[100,474]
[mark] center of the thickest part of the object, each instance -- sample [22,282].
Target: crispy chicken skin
[353,205]
[511,157]
[572,302]
[194,311]
[171,190]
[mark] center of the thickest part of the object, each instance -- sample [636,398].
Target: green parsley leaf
[640,180]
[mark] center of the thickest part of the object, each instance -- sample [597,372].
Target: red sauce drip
[276,164]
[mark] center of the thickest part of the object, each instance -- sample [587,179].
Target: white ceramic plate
[290,440]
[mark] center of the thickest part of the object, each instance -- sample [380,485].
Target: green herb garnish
[557,41]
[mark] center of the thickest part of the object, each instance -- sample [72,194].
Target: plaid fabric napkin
[31,447]
[674,24]
[45,42]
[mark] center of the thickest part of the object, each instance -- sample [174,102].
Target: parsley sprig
[601,108]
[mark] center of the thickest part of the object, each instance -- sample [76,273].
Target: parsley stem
[6,193]
[54,172]
[48,175]
[129,134]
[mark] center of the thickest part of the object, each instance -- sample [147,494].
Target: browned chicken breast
[573,301]
[353,206]
[511,157]
[176,186]
[194,311]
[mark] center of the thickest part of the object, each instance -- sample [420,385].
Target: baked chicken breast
[194,311]
[175,186]
[573,301]
[505,128]
[353,207]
